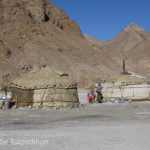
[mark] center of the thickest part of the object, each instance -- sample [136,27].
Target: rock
[82,105]
[30,107]
[4,50]
[55,108]
[14,107]
[130,101]
[58,107]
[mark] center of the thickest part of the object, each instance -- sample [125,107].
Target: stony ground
[107,126]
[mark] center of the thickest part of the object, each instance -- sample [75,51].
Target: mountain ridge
[127,38]
[38,34]
[133,43]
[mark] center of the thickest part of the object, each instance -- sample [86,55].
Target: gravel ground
[107,126]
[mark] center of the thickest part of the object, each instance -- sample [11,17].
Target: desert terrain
[106,126]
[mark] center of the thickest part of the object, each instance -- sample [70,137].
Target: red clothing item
[90,95]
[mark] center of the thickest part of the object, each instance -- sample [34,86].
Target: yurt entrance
[23,97]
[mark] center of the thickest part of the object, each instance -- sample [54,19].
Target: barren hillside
[37,34]
[134,43]
[129,38]
[93,40]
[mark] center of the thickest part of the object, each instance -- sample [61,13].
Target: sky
[105,18]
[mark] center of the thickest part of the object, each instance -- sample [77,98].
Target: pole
[124,67]
[6,91]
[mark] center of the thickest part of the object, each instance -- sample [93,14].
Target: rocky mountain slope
[93,40]
[37,34]
[134,44]
[129,38]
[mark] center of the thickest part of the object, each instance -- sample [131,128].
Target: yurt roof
[126,79]
[44,78]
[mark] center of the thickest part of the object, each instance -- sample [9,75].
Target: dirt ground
[106,126]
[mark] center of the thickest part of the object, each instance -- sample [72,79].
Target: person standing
[98,92]
[90,96]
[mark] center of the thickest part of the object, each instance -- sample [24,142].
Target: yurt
[126,88]
[45,87]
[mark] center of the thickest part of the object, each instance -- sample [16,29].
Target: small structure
[45,87]
[127,88]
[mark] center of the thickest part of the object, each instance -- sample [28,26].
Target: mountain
[93,40]
[37,34]
[134,44]
[129,38]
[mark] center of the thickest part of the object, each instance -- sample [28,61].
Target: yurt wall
[127,92]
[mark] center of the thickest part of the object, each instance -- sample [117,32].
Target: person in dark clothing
[99,93]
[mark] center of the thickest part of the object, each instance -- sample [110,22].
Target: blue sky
[105,18]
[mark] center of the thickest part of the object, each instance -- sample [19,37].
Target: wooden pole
[124,67]
[6,91]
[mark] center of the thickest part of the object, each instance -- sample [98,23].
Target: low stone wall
[127,92]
